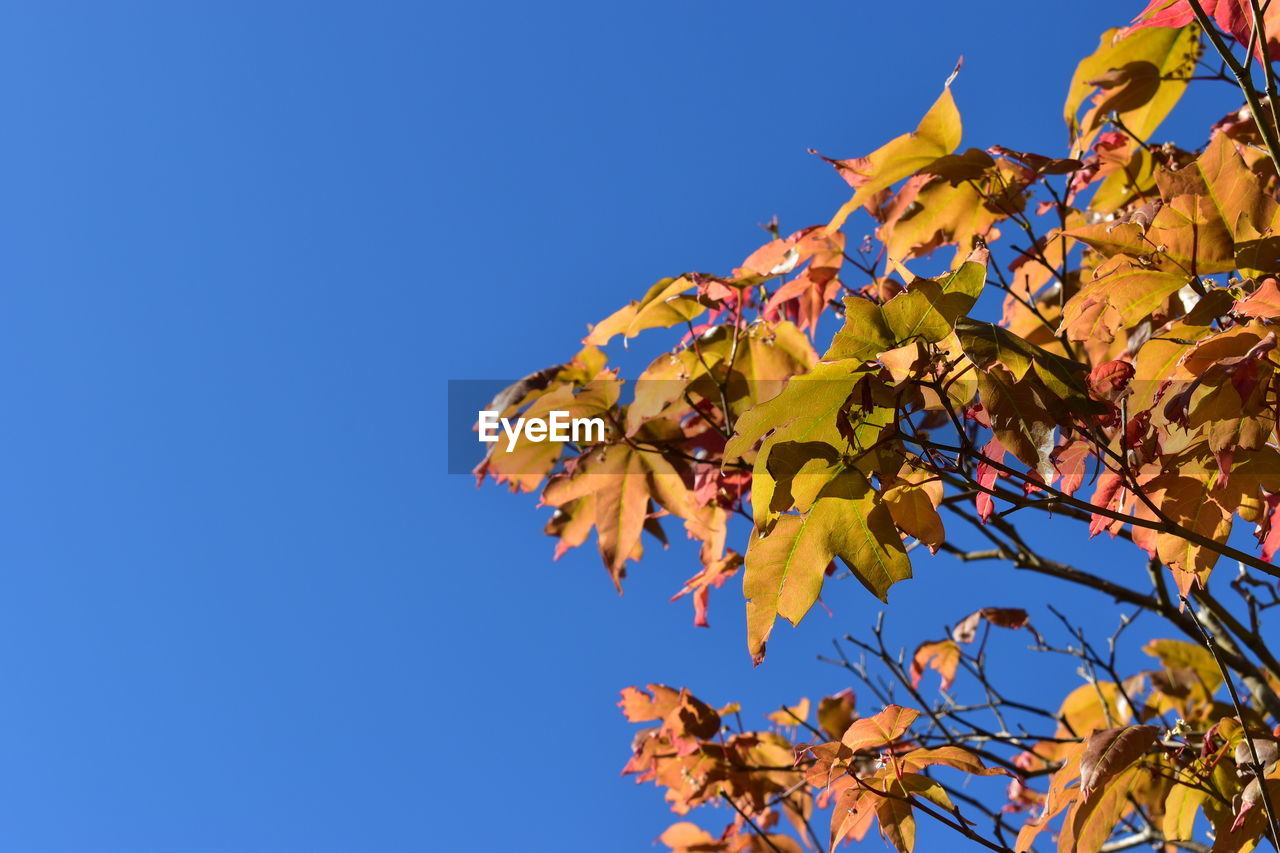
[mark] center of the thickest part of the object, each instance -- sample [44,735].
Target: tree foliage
[1128,387]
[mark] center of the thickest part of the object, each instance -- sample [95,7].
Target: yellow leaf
[913,512]
[1180,808]
[1149,62]
[937,135]
[1179,654]
[1090,823]
[792,716]
[666,304]
[1084,711]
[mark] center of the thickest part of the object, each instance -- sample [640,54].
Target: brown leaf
[1109,753]
[1002,617]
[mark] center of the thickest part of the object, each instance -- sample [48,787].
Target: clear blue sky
[244,245]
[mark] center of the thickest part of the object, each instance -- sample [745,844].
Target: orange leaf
[880,730]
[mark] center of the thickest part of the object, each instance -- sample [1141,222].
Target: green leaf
[1021,422]
[929,309]
[864,334]
[805,410]
[785,569]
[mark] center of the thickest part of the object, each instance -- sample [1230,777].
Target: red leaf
[1109,377]
[1071,460]
[1109,485]
[1233,16]
[1269,535]
[987,475]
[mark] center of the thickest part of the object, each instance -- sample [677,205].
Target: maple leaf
[930,212]
[879,730]
[914,508]
[937,134]
[804,411]
[836,713]
[713,575]
[785,569]
[622,480]
[1137,350]
[791,716]
[955,757]
[685,837]
[1130,290]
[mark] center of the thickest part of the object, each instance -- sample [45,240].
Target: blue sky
[244,247]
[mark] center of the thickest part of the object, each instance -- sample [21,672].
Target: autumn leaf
[686,837]
[1263,302]
[1019,419]
[942,656]
[785,569]
[1180,807]
[713,575]
[804,410]
[1179,654]
[1131,290]
[622,480]
[938,134]
[791,716]
[955,757]
[1220,175]
[879,730]
[836,713]
[1129,387]
[929,310]
[865,333]
[1109,753]
[1145,68]
[1090,822]
[666,304]
[966,631]
[1091,707]
[1060,796]
[1234,17]
[915,513]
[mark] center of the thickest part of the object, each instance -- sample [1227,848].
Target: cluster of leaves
[1129,386]
[1146,755]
